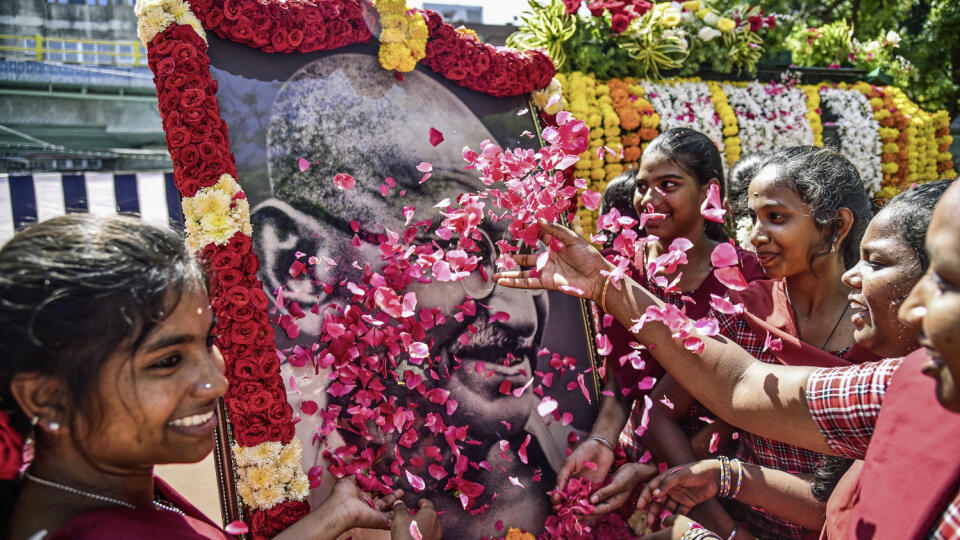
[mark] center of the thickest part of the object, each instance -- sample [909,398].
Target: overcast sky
[494,11]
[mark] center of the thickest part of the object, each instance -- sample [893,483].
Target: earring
[34,421]
[53,426]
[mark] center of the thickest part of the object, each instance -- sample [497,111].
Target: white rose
[706,33]
[892,38]
[711,19]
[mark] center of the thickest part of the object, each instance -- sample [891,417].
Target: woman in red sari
[677,171]
[107,360]
[909,486]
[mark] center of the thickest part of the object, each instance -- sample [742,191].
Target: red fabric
[908,487]
[127,524]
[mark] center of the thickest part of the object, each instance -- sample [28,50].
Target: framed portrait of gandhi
[351,274]
[297,121]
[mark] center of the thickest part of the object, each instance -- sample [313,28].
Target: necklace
[96,496]
[835,326]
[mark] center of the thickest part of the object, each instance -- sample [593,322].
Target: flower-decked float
[858,131]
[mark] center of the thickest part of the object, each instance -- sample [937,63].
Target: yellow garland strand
[403,35]
[813,112]
[731,129]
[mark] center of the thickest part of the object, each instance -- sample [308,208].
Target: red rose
[239,243]
[242,31]
[199,133]
[456,73]
[166,67]
[11,449]
[244,332]
[177,137]
[188,186]
[295,38]
[231,9]
[174,82]
[211,106]
[265,337]
[189,67]
[259,401]
[619,22]
[169,103]
[275,432]
[251,264]
[251,436]
[596,8]
[260,38]
[191,98]
[237,296]
[225,259]
[208,150]
[188,156]
[247,368]
[161,46]
[259,300]
[184,51]
[571,5]
[214,19]
[228,277]
[242,313]
[280,412]
[279,40]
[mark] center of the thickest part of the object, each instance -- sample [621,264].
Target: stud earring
[34,421]
[53,426]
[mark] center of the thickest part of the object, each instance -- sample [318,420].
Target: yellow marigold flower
[598,174]
[670,18]
[692,5]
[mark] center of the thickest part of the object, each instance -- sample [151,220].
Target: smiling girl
[107,362]
[677,171]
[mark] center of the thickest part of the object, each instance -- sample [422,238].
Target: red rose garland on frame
[298,26]
[256,398]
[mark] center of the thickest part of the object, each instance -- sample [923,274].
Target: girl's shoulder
[749,265]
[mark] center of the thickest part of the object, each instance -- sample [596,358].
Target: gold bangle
[603,294]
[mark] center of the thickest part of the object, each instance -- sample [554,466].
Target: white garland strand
[859,133]
[770,116]
[686,104]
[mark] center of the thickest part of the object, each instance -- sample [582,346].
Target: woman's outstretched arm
[765,399]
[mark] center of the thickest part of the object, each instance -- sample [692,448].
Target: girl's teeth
[195,420]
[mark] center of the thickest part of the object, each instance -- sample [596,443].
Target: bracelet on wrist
[733,533]
[603,441]
[736,489]
[724,489]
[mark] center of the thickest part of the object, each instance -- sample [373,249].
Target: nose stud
[206,385]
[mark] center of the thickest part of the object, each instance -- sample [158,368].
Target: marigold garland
[403,36]
[813,112]
[731,130]
[215,214]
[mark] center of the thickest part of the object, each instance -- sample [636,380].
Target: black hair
[619,194]
[826,182]
[695,153]
[77,288]
[738,180]
[911,212]
[826,475]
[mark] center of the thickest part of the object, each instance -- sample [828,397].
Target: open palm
[574,269]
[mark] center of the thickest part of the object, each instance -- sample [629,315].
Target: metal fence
[73,51]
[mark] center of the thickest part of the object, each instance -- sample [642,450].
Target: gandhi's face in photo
[344,115]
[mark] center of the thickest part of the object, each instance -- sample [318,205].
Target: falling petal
[415,530]
[724,255]
[522,451]
[515,481]
[238,527]
[303,165]
[714,442]
[344,181]
[436,137]
[547,405]
[542,260]
[731,277]
[415,481]
[425,167]
[590,199]
[523,111]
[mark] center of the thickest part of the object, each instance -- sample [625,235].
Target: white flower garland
[770,116]
[155,16]
[269,473]
[859,133]
[215,214]
[686,104]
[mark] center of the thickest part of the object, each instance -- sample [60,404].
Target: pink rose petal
[724,255]
[344,181]
[731,277]
[415,531]
[303,165]
[436,137]
[237,527]
[415,481]
[547,405]
[590,199]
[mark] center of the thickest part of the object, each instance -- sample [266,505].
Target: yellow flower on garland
[403,36]
[731,142]
[154,16]
[215,214]
[270,473]
[813,112]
